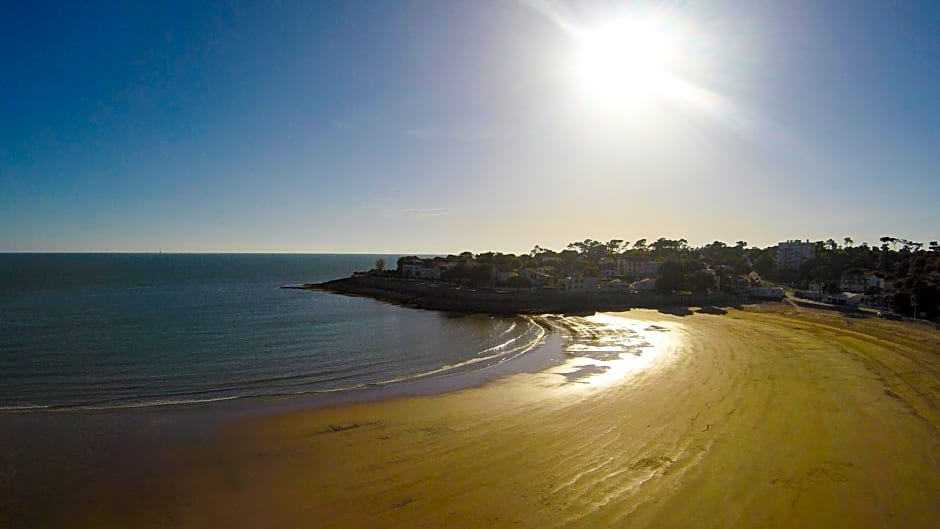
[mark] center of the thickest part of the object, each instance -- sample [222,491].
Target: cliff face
[438,296]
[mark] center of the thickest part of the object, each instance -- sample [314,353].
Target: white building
[419,271]
[791,254]
[578,284]
[637,268]
[861,283]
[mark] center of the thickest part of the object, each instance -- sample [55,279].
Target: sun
[625,60]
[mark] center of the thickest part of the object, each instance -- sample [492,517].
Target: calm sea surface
[124,330]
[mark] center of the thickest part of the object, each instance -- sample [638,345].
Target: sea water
[94,331]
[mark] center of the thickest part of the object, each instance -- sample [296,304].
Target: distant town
[897,276]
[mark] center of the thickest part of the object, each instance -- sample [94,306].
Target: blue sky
[446,126]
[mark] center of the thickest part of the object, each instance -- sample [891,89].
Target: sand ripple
[754,418]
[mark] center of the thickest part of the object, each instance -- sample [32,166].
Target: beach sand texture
[766,417]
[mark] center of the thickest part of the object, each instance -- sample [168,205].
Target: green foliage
[911,271]
[590,249]
[671,277]
[614,246]
[472,275]
[664,248]
[700,281]
[765,265]
[517,281]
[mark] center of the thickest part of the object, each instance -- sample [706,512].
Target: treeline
[911,269]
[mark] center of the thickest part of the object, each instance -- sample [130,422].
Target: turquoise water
[127,330]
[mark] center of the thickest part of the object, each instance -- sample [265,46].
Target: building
[791,254]
[578,284]
[862,283]
[637,268]
[767,292]
[847,299]
[419,271]
[535,277]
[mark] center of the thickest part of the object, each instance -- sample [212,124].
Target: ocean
[100,331]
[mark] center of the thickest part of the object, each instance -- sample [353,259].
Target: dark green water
[121,330]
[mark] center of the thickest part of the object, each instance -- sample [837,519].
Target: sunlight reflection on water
[606,348]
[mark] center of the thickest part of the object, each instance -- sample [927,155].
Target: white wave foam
[23,407]
[496,359]
[151,403]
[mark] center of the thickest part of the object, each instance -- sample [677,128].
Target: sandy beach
[770,416]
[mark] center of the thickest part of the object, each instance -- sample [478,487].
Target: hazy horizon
[730,242]
[442,127]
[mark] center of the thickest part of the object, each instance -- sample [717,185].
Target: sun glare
[626,60]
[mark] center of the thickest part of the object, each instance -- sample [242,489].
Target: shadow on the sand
[583,372]
[711,309]
[706,309]
[676,311]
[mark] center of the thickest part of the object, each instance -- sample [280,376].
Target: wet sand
[770,416]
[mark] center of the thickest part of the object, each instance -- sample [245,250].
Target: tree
[589,248]
[668,247]
[380,265]
[488,258]
[569,261]
[700,281]
[888,239]
[590,270]
[848,242]
[613,246]
[765,265]
[517,281]
[640,245]
[481,276]
[715,253]
[670,277]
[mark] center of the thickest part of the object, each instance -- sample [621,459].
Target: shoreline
[772,405]
[545,352]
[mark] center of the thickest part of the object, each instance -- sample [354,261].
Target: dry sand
[766,417]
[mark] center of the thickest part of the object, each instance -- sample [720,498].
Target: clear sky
[435,127]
